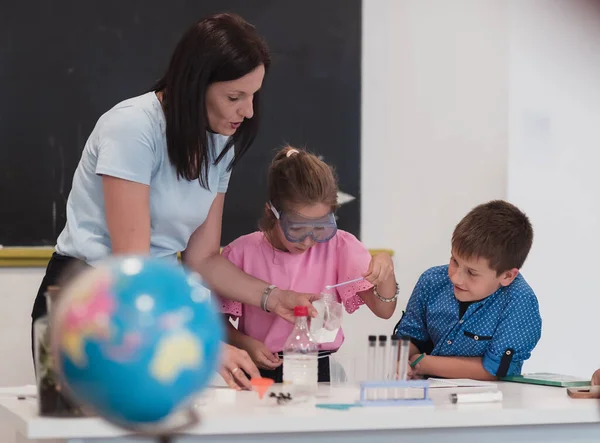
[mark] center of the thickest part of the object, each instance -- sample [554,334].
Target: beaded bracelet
[387,300]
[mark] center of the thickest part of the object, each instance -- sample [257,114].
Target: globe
[135,340]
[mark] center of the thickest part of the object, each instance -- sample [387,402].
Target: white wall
[554,151]
[434,130]
[19,287]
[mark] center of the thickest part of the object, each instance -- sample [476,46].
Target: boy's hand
[380,269]
[596,378]
[415,373]
[261,356]
[410,373]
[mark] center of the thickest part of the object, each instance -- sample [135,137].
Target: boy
[477,317]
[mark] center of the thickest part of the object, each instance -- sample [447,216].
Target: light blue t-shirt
[129,142]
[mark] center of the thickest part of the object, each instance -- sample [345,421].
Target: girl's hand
[261,355]
[380,269]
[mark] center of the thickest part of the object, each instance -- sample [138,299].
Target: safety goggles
[297,228]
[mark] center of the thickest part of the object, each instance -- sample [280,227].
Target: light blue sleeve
[225,174]
[126,148]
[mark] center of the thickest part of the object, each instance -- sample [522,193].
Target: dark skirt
[59,267]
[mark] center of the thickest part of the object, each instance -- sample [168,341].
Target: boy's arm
[412,324]
[414,351]
[517,334]
[453,367]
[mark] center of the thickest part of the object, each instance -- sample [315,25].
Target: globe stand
[175,424]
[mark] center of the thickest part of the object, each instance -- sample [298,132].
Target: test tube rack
[370,393]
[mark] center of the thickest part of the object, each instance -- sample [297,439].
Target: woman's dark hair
[221,47]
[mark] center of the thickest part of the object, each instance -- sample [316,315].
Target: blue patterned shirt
[502,328]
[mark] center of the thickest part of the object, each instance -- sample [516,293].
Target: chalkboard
[64,63]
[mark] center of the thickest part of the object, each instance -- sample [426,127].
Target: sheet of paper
[18,391]
[459,383]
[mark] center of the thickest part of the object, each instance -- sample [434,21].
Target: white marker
[476,397]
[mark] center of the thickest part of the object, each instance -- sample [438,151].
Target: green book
[548,379]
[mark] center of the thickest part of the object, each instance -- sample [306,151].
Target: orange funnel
[261,385]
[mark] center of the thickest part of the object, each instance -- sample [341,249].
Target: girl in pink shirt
[300,248]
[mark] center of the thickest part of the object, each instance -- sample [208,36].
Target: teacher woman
[154,172]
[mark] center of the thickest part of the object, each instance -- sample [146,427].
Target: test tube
[403,364]
[403,360]
[371,360]
[393,358]
[392,374]
[382,365]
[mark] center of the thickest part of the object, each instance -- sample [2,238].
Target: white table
[527,414]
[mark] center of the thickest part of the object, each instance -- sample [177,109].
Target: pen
[416,362]
[476,397]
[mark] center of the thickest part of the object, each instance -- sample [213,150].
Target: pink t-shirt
[340,259]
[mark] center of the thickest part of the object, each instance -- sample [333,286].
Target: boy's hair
[297,177]
[497,231]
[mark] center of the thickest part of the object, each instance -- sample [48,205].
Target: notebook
[548,379]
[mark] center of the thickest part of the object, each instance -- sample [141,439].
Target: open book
[549,379]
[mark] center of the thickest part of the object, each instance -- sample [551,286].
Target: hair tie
[291,152]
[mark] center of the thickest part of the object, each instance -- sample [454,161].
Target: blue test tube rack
[375,386]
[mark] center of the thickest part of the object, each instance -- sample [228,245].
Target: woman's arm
[203,255]
[127,208]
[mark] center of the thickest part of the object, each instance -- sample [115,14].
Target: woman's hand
[235,364]
[380,269]
[283,303]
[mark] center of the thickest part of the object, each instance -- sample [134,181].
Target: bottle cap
[372,338]
[394,337]
[383,338]
[301,311]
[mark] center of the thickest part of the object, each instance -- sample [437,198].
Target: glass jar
[51,401]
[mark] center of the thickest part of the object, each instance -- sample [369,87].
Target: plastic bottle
[300,359]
